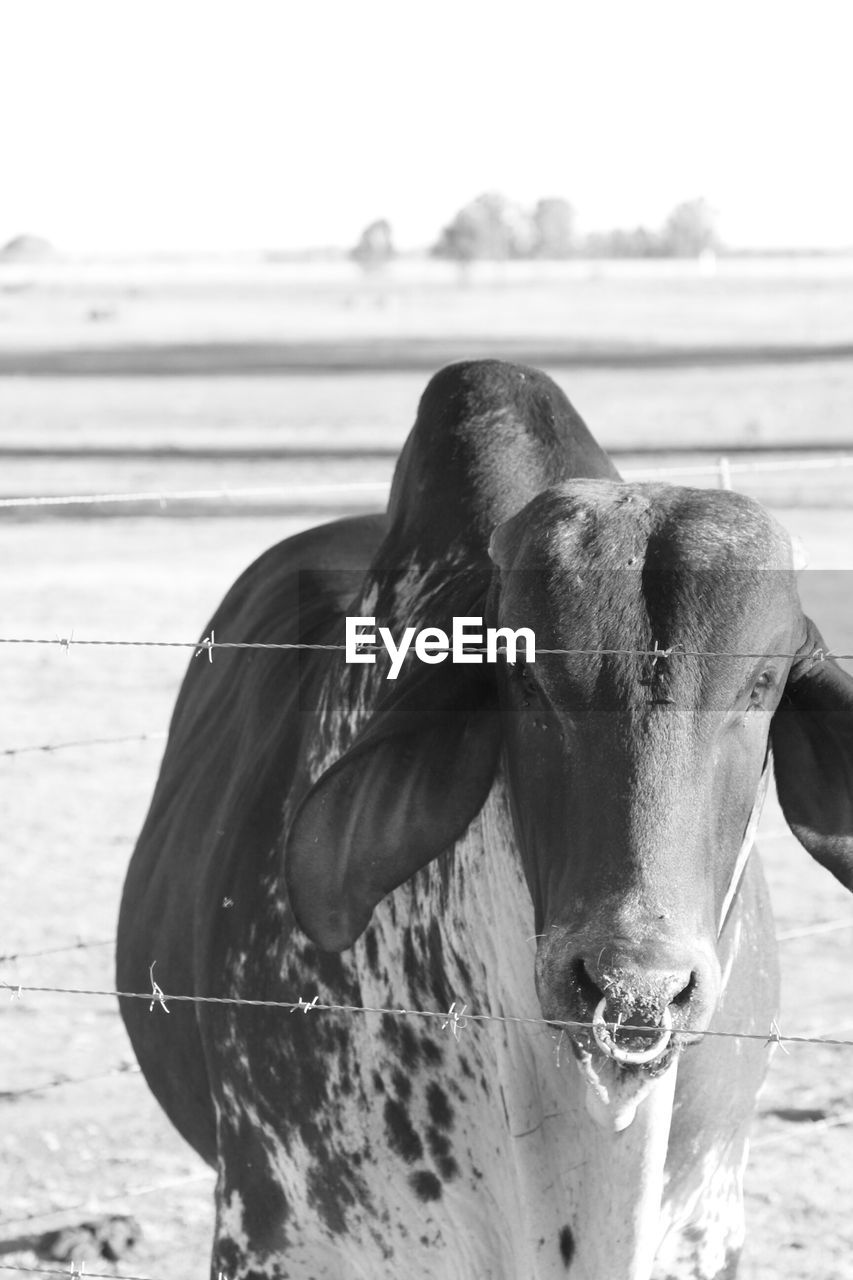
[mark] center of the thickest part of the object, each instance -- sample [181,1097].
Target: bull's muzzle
[640,1000]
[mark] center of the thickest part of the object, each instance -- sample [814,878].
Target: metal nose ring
[606,1042]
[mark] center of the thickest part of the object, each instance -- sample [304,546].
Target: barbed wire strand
[794,1134]
[454,1018]
[814,930]
[722,468]
[208,645]
[187,495]
[85,1206]
[59,1082]
[49,747]
[160,734]
[129,1068]
[72,1270]
[768,1140]
[822,1125]
[821,926]
[56,951]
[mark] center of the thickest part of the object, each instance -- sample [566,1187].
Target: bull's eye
[762,689]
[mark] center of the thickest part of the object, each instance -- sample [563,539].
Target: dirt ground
[80,1134]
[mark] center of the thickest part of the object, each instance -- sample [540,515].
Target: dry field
[97,1143]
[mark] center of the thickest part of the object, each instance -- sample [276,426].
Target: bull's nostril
[589,990]
[642,992]
[684,997]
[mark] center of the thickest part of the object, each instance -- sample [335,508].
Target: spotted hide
[549,842]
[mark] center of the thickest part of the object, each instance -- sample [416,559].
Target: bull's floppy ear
[408,787]
[812,735]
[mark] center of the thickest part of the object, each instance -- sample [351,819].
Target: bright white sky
[207,125]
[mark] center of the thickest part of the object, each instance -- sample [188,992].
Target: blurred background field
[235,378]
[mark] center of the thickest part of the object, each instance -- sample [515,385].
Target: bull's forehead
[610,562]
[613,525]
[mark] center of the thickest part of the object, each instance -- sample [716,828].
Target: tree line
[492,227]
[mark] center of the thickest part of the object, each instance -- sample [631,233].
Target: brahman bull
[561,841]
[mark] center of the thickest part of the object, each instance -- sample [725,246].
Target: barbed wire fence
[62,1080]
[73,1269]
[49,748]
[458,1017]
[723,469]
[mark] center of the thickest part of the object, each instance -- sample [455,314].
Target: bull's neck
[423,933]
[464,925]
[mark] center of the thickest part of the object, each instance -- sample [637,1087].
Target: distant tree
[490,227]
[27,248]
[554,228]
[690,230]
[375,247]
[633,242]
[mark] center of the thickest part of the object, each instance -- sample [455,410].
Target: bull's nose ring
[606,1042]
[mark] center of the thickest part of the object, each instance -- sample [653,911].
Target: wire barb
[208,644]
[659,655]
[157,992]
[455,1019]
[305,1006]
[775,1038]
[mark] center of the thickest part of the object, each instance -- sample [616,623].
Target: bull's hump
[488,437]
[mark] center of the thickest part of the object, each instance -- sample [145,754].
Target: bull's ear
[812,735]
[408,787]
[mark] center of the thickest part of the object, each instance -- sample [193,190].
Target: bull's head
[632,777]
